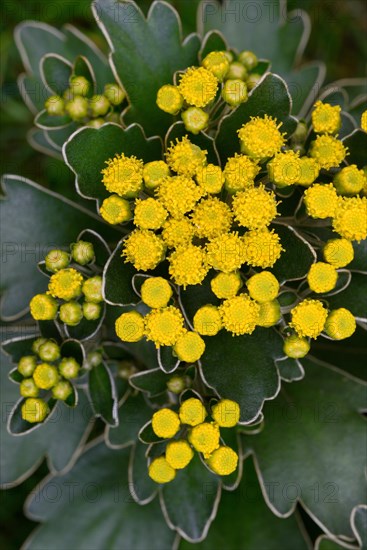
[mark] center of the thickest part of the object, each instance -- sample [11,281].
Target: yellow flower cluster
[193,432]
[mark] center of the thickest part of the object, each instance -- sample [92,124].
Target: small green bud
[49,351]
[56,260]
[236,71]
[229,55]
[176,384]
[77,107]
[28,388]
[82,252]
[99,105]
[62,390]
[253,80]
[68,95]
[34,410]
[96,122]
[126,369]
[69,367]
[301,133]
[37,344]
[296,347]
[234,92]
[217,63]
[94,358]
[92,289]
[114,94]
[28,363]
[91,311]
[71,313]
[79,85]
[55,105]
[195,119]
[248,59]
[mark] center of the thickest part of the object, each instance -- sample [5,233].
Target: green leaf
[194,297]
[133,413]
[102,392]
[290,370]
[190,501]
[166,360]
[152,382]
[117,280]
[88,150]
[354,297]
[100,511]
[37,139]
[50,122]
[33,221]
[55,73]
[297,258]
[303,84]
[312,447]
[359,262]
[242,368]
[359,526]
[357,145]
[144,489]
[244,522]
[212,41]
[145,55]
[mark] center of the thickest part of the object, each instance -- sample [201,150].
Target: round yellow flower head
[217,63]
[328,151]
[198,86]
[269,314]
[149,214]
[308,318]
[185,158]
[322,277]
[28,388]
[223,461]
[210,178]
[160,471]
[177,232]
[205,438]
[66,284]
[262,248]
[123,176]
[234,92]
[188,265]
[364,121]
[226,413]
[225,252]
[321,200]
[263,287]
[144,249]
[169,99]
[34,410]
[226,285]
[115,210]
[260,138]
[285,169]
[43,307]
[350,219]
[338,252]
[326,118]
[129,326]
[156,292]
[349,181]
[178,194]
[165,423]
[164,326]
[211,217]
[189,347]
[296,347]
[195,119]
[179,454]
[340,324]
[240,314]
[45,376]
[239,172]
[255,207]
[309,171]
[154,173]
[192,412]
[207,320]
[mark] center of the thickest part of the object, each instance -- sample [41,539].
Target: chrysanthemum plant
[189,355]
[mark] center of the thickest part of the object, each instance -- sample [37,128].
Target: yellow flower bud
[34,410]
[226,285]
[217,63]
[326,118]
[144,249]
[56,260]
[165,423]
[28,388]
[43,307]
[115,210]
[169,99]
[49,351]
[91,311]
[179,454]
[240,314]
[69,367]
[210,178]
[62,390]
[338,252]
[195,119]
[321,200]
[149,214]
[269,314]
[189,347]
[192,412]
[129,326]
[207,320]
[156,292]
[263,287]
[328,151]
[154,173]
[164,326]
[205,438]
[255,207]
[340,324]
[45,376]
[27,364]
[160,471]
[223,461]
[71,313]
[248,59]
[66,284]
[322,277]
[92,289]
[349,181]
[226,413]
[77,108]
[296,347]
[308,318]
[234,92]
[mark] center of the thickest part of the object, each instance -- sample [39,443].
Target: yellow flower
[123,176]
[144,249]
[217,63]
[205,438]
[340,324]
[226,285]
[188,265]
[115,210]
[239,172]
[296,347]
[179,454]
[189,347]
[308,318]
[285,169]
[364,121]
[349,181]
[66,284]
[156,292]
[262,248]
[45,376]
[263,287]
[154,173]
[210,178]
[165,423]
[322,277]
[192,412]
[328,151]
[34,410]
[164,326]
[185,158]
[269,314]
[223,461]
[211,217]
[169,99]
[178,194]
[234,92]
[326,118]
[28,388]
[177,232]
[43,307]
[260,138]
[195,119]
[129,326]
[198,86]
[338,252]
[321,200]
[225,252]
[255,207]
[207,320]
[226,413]
[350,219]
[149,214]
[309,171]
[160,471]
[240,314]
